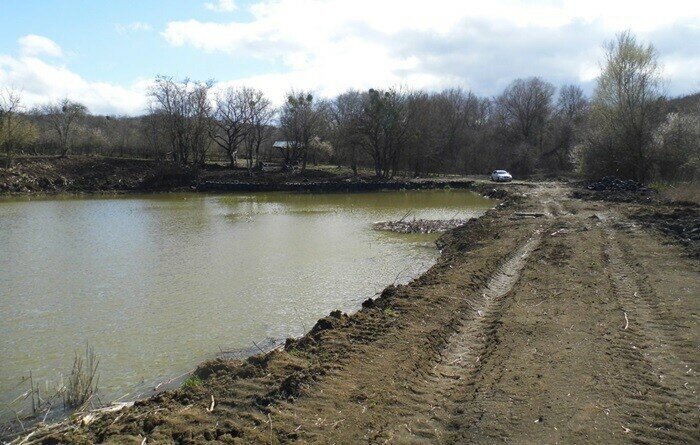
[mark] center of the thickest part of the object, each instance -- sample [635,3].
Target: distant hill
[687,104]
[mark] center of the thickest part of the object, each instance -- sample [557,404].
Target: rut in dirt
[657,364]
[460,358]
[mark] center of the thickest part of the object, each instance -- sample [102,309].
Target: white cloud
[332,45]
[134,26]
[40,82]
[221,6]
[33,45]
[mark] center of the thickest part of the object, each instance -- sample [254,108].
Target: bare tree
[676,147]
[10,104]
[383,126]
[63,118]
[525,106]
[200,121]
[152,136]
[523,111]
[184,111]
[299,119]
[568,125]
[260,114]
[451,109]
[230,121]
[423,145]
[627,107]
[344,114]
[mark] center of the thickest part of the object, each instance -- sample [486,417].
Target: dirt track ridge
[460,358]
[660,390]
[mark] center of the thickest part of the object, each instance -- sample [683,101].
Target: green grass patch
[192,382]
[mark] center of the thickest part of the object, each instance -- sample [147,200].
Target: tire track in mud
[460,359]
[657,367]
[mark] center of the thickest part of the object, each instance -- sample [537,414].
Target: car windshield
[501,172]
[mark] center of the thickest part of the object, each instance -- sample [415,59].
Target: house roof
[284,144]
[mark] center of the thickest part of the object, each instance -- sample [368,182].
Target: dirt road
[576,326]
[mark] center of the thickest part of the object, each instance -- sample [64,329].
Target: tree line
[627,128]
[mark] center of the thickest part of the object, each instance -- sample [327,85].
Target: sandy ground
[577,326]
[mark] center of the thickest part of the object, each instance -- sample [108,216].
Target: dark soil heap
[611,183]
[87,174]
[611,188]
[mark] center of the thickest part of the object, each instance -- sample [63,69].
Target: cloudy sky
[105,53]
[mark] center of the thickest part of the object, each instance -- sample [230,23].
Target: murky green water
[158,283]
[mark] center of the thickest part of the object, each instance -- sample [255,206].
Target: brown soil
[89,174]
[577,326]
[679,222]
[86,174]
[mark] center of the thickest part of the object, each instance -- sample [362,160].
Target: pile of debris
[611,183]
[420,225]
[611,188]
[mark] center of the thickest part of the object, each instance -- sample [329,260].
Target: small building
[283,145]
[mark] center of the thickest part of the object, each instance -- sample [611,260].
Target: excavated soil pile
[611,188]
[84,174]
[611,183]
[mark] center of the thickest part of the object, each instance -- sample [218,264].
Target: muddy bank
[340,185]
[92,175]
[85,174]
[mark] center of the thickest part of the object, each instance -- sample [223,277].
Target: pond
[158,283]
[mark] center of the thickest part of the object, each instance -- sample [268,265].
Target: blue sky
[105,53]
[99,43]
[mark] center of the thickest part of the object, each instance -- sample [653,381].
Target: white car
[501,176]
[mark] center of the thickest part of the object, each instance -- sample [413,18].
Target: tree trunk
[8,156]
[232,158]
[303,160]
[353,162]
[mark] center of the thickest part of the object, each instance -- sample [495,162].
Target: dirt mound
[87,174]
[611,188]
[611,183]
